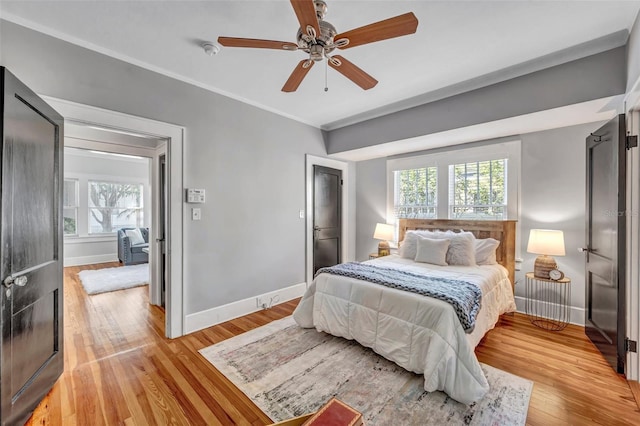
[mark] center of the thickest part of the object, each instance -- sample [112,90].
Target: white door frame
[175,135]
[312,160]
[632,111]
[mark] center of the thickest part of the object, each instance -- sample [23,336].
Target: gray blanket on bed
[464,297]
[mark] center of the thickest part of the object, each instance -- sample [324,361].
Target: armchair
[129,253]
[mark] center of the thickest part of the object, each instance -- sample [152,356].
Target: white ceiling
[456,41]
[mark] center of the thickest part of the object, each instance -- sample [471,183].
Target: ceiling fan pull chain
[326,66]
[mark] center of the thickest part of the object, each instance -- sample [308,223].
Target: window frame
[75,207]
[452,188]
[140,208]
[442,158]
[397,183]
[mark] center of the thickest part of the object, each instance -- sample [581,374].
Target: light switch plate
[196,196]
[301,214]
[196,214]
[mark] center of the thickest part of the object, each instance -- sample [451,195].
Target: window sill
[82,239]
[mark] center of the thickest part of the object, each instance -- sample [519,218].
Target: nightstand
[547,302]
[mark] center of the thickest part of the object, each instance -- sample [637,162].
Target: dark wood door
[606,241]
[31,251]
[327,217]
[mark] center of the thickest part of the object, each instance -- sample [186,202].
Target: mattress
[419,333]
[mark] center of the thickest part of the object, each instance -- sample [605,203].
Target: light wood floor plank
[120,369]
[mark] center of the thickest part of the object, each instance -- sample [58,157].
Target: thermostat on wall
[195,196]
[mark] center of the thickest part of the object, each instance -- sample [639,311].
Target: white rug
[289,371]
[112,279]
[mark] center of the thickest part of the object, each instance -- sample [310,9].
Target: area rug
[289,371]
[111,279]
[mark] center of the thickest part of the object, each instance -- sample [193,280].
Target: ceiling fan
[319,38]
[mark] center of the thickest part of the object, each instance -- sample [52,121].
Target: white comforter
[419,333]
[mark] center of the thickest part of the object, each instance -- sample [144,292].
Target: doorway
[174,137]
[110,199]
[347,216]
[327,217]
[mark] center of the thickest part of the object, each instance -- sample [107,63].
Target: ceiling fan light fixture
[316,52]
[211,48]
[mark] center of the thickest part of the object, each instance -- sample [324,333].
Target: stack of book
[333,413]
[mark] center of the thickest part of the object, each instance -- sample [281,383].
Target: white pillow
[409,246]
[486,251]
[432,251]
[135,236]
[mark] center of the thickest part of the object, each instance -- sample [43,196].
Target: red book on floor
[335,413]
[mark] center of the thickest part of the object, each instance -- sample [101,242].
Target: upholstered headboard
[501,230]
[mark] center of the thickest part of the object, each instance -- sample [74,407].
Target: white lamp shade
[546,241]
[384,232]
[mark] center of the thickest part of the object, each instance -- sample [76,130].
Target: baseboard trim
[576,315]
[203,319]
[90,260]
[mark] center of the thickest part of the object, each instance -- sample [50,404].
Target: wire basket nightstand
[547,302]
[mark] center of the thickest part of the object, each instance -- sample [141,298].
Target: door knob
[20,281]
[584,249]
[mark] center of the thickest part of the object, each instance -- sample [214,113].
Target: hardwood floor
[119,369]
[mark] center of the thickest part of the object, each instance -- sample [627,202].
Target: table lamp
[546,243]
[385,233]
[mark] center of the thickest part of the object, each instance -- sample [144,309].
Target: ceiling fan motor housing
[324,40]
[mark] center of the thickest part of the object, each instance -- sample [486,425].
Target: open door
[606,241]
[31,235]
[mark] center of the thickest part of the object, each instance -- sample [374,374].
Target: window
[478,190]
[416,193]
[113,206]
[474,183]
[70,207]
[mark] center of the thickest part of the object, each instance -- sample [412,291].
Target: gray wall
[251,162]
[371,204]
[596,76]
[633,54]
[552,196]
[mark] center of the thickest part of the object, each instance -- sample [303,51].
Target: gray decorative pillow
[432,251]
[409,246]
[461,249]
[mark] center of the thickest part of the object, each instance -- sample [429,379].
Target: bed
[421,334]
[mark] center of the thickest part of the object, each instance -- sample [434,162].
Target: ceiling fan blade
[306,13]
[296,77]
[389,28]
[257,43]
[352,72]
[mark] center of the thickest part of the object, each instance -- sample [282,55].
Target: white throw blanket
[418,333]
